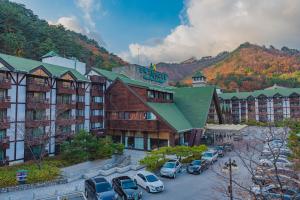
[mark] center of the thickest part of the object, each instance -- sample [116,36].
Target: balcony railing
[97,91]
[98,132]
[37,139]
[4,123]
[5,102]
[32,123]
[79,119]
[81,91]
[61,136]
[135,125]
[66,121]
[4,142]
[98,79]
[96,118]
[61,89]
[37,103]
[80,105]
[66,105]
[5,83]
[96,106]
[36,86]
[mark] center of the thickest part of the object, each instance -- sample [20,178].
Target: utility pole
[230,180]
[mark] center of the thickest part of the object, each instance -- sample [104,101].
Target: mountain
[249,67]
[22,33]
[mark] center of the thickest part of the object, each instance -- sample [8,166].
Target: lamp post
[229,165]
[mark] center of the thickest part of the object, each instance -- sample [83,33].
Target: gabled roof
[24,65]
[170,113]
[257,93]
[194,103]
[112,76]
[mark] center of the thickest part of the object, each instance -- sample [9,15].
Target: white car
[149,182]
[210,156]
[280,162]
[171,168]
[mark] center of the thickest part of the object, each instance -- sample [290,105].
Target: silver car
[171,168]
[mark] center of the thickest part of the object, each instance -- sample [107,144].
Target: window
[79,127]
[37,131]
[2,134]
[2,94]
[80,113]
[150,116]
[65,129]
[36,114]
[97,112]
[37,150]
[96,125]
[97,99]
[150,94]
[1,155]
[3,113]
[64,99]
[80,98]
[66,84]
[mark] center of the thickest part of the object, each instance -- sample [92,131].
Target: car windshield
[151,178]
[208,154]
[103,187]
[196,162]
[128,184]
[169,165]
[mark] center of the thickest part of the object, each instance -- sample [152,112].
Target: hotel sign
[152,75]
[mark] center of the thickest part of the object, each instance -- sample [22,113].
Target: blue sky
[119,22]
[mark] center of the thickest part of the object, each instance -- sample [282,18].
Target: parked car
[221,150]
[126,188]
[280,162]
[228,147]
[149,182]
[171,168]
[210,156]
[99,188]
[274,192]
[197,166]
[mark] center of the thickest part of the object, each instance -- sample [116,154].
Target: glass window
[80,112]
[97,99]
[1,155]
[150,94]
[80,98]
[150,116]
[2,134]
[97,112]
[97,125]
[138,143]
[103,187]
[79,127]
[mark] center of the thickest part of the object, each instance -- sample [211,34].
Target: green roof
[172,115]
[112,76]
[50,54]
[24,65]
[257,93]
[198,74]
[194,103]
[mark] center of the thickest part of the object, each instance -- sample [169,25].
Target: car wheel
[124,198]
[86,193]
[174,176]
[135,181]
[148,189]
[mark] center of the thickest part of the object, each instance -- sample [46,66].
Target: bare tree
[258,158]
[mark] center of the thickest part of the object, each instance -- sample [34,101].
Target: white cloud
[211,26]
[70,23]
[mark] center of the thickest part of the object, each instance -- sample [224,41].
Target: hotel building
[54,99]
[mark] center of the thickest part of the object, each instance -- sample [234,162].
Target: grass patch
[50,170]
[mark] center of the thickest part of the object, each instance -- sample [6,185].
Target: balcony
[81,91]
[66,121]
[61,136]
[79,119]
[61,89]
[32,140]
[4,123]
[66,105]
[5,83]
[96,118]
[98,79]
[97,91]
[5,102]
[96,106]
[98,132]
[33,123]
[80,105]
[37,103]
[4,142]
[134,125]
[36,86]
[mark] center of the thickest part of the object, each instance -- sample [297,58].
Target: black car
[126,188]
[99,188]
[197,166]
[221,150]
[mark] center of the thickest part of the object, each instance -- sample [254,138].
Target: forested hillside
[22,33]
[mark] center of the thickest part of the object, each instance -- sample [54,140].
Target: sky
[175,30]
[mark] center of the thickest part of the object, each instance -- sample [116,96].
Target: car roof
[145,173]
[99,180]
